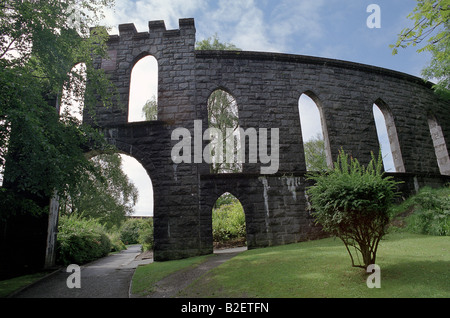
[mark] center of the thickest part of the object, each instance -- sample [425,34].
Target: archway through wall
[228,222]
[142,181]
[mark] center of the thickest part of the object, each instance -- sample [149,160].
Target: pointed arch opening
[228,222]
[72,96]
[224,133]
[387,137]
[440,146]
[314,133]
[143,97]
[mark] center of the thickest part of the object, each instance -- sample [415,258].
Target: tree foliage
[40,43]
[105,194]
[315,156]
[351,202]
[214,43]
[431,21]
[150,109]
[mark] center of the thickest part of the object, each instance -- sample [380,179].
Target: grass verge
[9,286]
[146,276]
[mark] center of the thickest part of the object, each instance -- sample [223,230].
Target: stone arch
[240,203]
[143,87]
[223,114]
[391,132]
[310,105]
[440,146]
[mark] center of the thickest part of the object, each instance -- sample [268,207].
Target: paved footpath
[109,277]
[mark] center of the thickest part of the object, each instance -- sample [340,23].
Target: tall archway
[143,97]
[228,222]
[440,146]
[314,133]
[224,133]
[387,137]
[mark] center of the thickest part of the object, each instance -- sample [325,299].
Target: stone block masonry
[267,88]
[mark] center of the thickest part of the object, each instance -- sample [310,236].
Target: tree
[150,109]
[105,194]
[315,156]
[213,43]
[431,20]
[351,202]
[41,41]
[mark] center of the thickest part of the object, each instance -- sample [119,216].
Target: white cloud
[140,12]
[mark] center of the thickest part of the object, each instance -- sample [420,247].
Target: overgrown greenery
[352,202]
[81,240]
[427,212]
[41,41]
[228,220]
[105,194]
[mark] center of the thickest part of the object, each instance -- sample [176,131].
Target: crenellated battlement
[155,28]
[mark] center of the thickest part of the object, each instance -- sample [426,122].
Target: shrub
[81,240]
[116,243]
[431,212]
[129,231]
[146,234]
[351,202]
[228,222]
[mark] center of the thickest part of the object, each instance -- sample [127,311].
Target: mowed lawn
[411,266]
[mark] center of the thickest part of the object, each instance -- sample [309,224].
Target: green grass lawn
[146,276]
[411,265]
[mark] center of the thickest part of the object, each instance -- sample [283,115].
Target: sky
[334,29]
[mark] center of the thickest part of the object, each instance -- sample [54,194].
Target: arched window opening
[224,133]
[387,138]
[314,133]
[72,97]
[228,222]
[440,146]
[143,99]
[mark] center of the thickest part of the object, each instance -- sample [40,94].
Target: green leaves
[351,201]
[43,152]
[431,21]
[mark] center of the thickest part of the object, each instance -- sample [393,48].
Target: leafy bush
[351,202]
[431,212]
[146,234]
[228,222]
[129,231]
[116,243]
[81,240]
